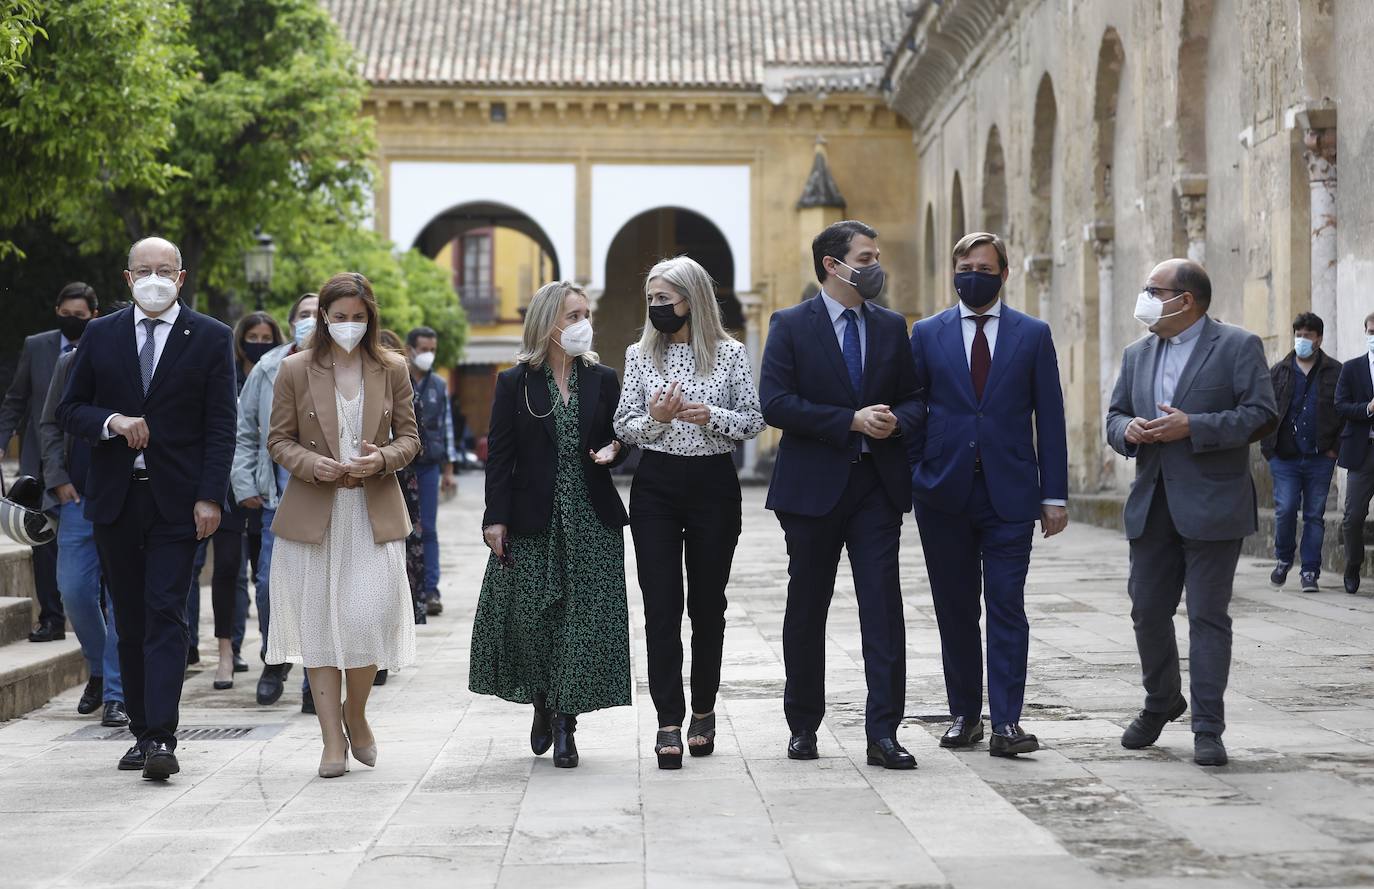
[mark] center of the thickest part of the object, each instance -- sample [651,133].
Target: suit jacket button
[973,444]
[311,415]
[312,444]
[386,413]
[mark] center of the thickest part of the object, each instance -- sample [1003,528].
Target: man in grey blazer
[1191,398]
[19,414]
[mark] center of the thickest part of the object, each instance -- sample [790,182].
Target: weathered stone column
[1319,140]
[1192,200]
[751,306]
[1038,267]
[1102,236]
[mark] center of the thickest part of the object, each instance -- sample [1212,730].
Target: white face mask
[1149,310]
[154,294]
[576,339]
[1369,343]
[303,330]
[424,361]
[348,333]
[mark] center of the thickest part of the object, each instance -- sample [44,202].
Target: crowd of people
[311,462]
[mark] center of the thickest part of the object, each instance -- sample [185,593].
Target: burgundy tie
[980,359]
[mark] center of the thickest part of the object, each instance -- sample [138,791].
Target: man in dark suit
[1191,398]
[20,413]
[993,459]
[1355,405]
[838,380]
[153,389]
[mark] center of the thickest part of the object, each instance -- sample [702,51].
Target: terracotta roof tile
[691,44]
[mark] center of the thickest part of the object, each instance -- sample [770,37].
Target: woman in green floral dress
[552,625]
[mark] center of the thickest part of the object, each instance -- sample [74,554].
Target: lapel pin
[186,333]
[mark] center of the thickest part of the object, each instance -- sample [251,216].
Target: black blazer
[191,409]
[1354,390]
[806,392]
[1326,372]
[23,404]
[522,449]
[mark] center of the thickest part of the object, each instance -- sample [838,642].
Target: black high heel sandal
[672,738]
[705,727]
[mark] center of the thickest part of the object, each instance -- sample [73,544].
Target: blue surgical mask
[1303,346]
[1369,341]
[303,330]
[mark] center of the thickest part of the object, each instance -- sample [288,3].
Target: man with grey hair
[153,389]
[1192,396]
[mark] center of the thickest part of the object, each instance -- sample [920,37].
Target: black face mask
[665,319]
[72,326]
[254,351]
[868,280]
[977,289]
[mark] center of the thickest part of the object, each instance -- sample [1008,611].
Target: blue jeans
[240,598]
[1300,482]
[428,475]
[78,578]
[264,578]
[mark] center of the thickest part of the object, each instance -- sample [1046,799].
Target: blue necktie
[853,354]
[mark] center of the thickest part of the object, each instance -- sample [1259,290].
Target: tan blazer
[305,426]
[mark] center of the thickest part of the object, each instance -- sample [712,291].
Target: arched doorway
[496,257]
[1043,205]
[995,186]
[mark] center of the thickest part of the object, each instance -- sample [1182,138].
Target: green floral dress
[558,621]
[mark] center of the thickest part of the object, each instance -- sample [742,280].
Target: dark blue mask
[977,289]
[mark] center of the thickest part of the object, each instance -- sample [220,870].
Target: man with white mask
[153,389]
[1192,396]
[438,454]
[257,482]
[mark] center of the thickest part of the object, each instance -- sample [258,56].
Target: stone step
[31,673]
[16,571]
[16,619]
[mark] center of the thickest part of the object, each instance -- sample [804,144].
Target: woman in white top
[689,398]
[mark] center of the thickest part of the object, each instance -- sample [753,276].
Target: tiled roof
[694,44]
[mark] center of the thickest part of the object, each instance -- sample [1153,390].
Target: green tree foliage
[18,27]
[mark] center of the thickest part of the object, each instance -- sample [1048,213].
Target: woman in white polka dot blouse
[689,398]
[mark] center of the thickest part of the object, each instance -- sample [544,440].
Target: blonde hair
[694,284]
[541,319]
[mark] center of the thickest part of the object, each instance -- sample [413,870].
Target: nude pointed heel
[365,755]
[334,769]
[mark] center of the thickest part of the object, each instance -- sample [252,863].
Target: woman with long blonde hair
[689,400]
[552,624]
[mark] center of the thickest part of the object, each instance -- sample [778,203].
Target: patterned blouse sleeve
[743,419]
[632,423]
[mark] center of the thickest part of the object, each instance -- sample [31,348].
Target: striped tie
[148,354]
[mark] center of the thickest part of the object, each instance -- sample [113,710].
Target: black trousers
[44,561]
[1163,565]
[147,565]
[1359,488]
[866,524]
[224,581]
[691,506]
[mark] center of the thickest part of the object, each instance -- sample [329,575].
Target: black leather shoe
[1144,729]
[803,746]
[964,732]
[541,731]
[564,745]
[1009,740]
[92,696]
[192,656]
[48,632]
[240,665]
[1208,749]
[115,715]
[161,762]
[272,683]
[433,607]
[886,752]
[380,678]
[1352,579]
[133,759]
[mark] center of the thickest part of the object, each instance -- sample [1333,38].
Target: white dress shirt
[161,333]
[970,330]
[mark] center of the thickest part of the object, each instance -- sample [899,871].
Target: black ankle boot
[541,732]
[564,747]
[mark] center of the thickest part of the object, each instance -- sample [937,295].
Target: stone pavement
[458,801]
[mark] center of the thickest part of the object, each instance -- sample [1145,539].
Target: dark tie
[67,348]
[853,354]
[980,358]
[148,354]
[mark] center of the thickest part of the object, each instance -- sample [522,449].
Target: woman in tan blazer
[342,425]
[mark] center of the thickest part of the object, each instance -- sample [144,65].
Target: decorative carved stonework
[1320,143]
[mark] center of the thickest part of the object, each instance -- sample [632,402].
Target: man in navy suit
[838,380]
[993,459]
[1355,405]
[153,390]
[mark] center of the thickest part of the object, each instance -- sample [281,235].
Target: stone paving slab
[457,799]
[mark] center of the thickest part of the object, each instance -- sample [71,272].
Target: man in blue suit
[153,390]
[993,459]
[838,380]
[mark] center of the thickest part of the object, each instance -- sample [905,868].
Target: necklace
[343,415]
[527,399]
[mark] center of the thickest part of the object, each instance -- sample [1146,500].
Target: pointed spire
[820,189]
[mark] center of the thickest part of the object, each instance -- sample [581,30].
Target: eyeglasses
[162,272]
[1156,291]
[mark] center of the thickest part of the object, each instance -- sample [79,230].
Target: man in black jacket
[1355,405]
[1302,450]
